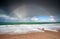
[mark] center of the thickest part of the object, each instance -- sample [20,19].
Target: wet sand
[37,35]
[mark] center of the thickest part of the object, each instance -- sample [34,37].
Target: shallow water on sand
[27,28]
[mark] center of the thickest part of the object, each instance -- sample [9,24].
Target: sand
[36,35]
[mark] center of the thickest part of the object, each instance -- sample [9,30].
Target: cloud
[51,18]
[43,19]
[6,18]
[35,19]
[20,12]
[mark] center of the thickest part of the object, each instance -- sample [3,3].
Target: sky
[29,10]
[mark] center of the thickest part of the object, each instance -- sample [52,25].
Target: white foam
[22,29]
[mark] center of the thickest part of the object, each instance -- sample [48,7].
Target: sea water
[27,28]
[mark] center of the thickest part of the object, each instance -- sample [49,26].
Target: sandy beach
[36,35]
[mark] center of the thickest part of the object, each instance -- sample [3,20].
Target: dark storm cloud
[32,7]
[4,4]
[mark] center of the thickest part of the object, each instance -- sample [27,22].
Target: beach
[34,35]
